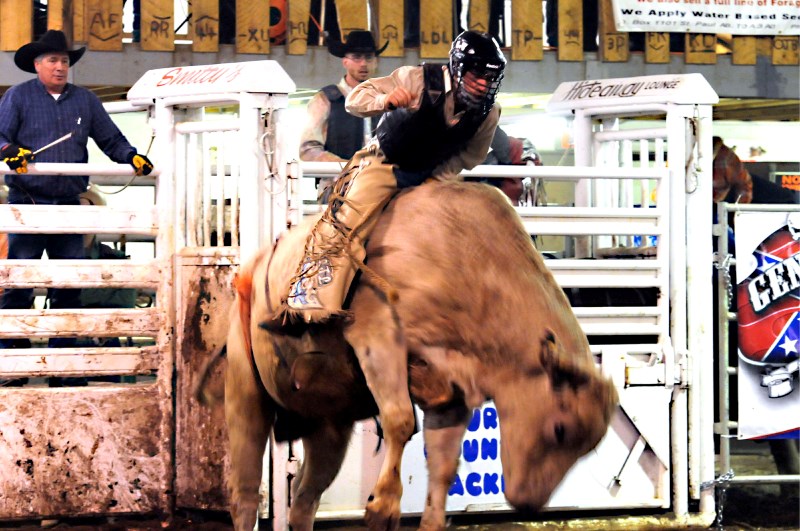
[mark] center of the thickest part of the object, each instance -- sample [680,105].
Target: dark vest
[345,131]
[421,140]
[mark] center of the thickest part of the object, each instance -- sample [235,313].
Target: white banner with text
[735,17]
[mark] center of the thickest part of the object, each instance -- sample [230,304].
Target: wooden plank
[435,28]
[104,23]
[85,451]
[297,28]
[204,29]
[656,47]
[391,24]
[79,274]
[157,25]
[701,48]
[478,16]
[526,30]
[79,23]
[744,50]
[56,15]
[613,44]
[88,361]
[570,30]
[784,50]
[90,322]
[16,24]
[60,219]
[252,27]
[352,15]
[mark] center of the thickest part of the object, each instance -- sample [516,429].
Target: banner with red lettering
[768,311]
[735,17]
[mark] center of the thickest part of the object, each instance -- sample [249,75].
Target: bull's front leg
[444,431]
[381,350]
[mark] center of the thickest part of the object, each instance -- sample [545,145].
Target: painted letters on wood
[613,44]
[252,26]
[656,47]
[435,28]
[784,50]
[297,29]
[478,19]
[104,25]
[391,22]
[205,25]
[526,30]
[701,48]
[157,30]
[570,30]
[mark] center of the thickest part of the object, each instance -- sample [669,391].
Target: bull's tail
[201,392]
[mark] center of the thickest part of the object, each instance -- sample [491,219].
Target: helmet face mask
[477,54]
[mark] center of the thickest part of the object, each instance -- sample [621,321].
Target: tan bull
[478,317]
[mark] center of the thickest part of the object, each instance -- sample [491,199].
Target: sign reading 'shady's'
[680,88]
[251,76]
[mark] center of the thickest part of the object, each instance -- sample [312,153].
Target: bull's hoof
[381,516]
[284,327]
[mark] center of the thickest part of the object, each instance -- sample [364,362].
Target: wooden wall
[98,24]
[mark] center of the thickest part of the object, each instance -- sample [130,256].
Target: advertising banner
[734,17]
[768,306]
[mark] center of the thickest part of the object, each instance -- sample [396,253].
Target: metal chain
[268,147]
[692,163]
[724,266]
[721,483]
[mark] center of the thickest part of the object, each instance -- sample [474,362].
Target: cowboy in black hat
[58,117]
[331,134]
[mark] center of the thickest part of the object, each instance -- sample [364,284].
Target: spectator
[331,133]
[33,114]
[511,151]
[440,119]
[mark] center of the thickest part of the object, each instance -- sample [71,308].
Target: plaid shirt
[32,118]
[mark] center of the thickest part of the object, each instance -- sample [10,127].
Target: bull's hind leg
[249,413]
[444,431]
[324,452]
[380,347]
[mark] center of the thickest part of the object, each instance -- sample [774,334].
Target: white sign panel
[768,308]
[260,77]
[679,88]
[735,17]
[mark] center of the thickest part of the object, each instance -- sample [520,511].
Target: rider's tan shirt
[369,99]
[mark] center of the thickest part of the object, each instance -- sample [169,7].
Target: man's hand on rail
[16,157]
[141,164]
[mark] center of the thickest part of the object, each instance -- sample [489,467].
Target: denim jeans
[31,247]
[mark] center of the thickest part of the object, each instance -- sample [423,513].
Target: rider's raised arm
[369,97]
[474,151]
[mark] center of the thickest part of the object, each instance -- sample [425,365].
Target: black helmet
[479,53]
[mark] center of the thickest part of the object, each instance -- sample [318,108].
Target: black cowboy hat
[51,41]
[358,41]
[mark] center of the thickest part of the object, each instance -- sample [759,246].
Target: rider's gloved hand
[140,163]
[406,178]
[16,157]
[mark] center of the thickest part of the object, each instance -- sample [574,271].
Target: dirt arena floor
[746,508]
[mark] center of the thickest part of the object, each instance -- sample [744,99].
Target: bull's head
[550,415]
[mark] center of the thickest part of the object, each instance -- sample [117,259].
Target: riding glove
[141,164]
[16,157]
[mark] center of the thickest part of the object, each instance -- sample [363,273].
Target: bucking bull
[477,316]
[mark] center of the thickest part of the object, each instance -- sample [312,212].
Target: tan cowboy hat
[358,41]
[51,41]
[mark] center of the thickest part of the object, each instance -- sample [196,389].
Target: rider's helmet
[478,53]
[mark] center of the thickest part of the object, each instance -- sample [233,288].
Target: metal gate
[141,445]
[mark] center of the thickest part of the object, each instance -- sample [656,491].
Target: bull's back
[458,254]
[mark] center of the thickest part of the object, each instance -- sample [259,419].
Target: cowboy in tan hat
[331,133]
[49,112]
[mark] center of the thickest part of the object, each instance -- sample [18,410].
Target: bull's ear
[563,367]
